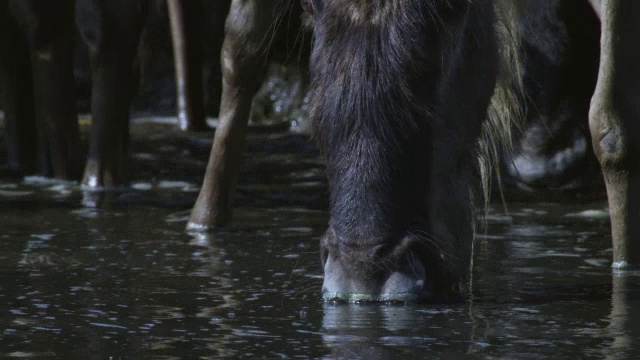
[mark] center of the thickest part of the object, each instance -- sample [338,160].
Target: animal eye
[309,6]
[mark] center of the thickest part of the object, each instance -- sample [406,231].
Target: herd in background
[37,41]
[552,148]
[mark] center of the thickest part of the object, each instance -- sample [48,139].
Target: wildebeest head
[399,92]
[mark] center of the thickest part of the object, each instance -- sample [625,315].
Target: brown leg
[17,91]
[186,34]
[213,30]
[614,121]
[113,42]
[50,33]
[243,67]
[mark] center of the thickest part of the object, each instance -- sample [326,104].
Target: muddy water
[114,275]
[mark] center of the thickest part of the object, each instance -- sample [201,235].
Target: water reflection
[388,331]
[600,321]
[128,281]
[96,287]
[624,320]
[91,274]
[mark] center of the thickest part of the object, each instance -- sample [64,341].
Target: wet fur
[368,155]
[387,136]
[507,108]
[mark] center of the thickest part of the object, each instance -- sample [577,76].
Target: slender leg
[213,36]
[112,30]
[243,67]
[50,33]
[16,86]
[186,34]
[614,121]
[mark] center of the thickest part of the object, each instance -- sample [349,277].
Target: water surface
[98,275]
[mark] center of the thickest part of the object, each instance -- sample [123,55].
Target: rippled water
[115,275]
